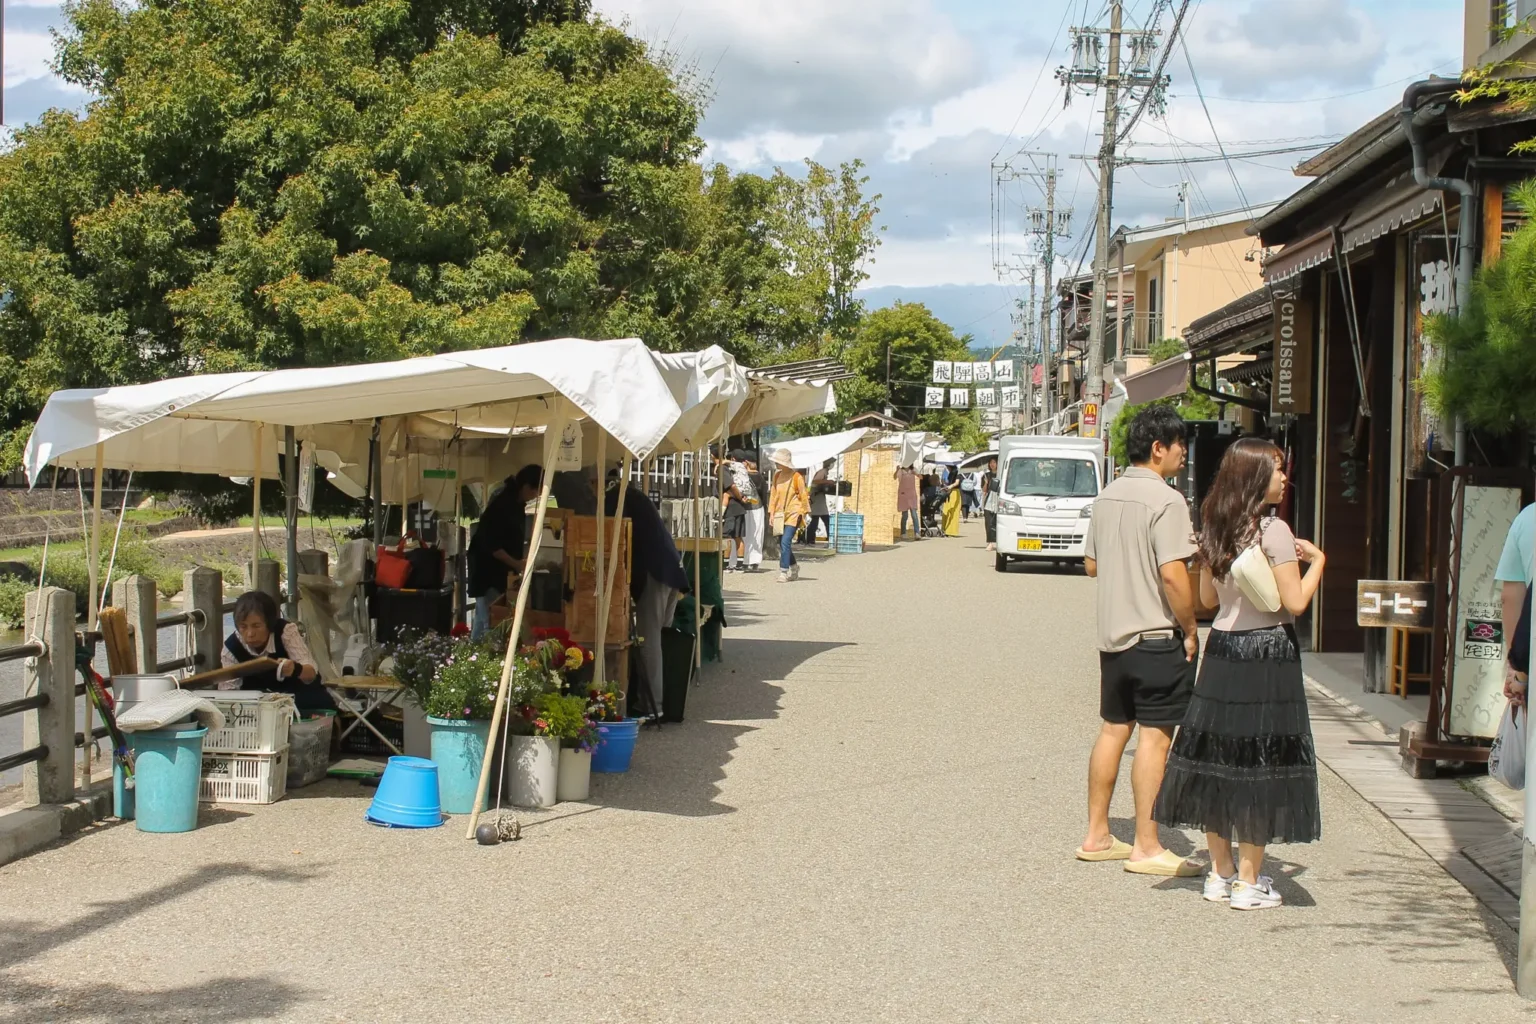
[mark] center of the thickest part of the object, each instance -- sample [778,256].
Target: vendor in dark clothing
[260,632]
[497,547]
[656,577]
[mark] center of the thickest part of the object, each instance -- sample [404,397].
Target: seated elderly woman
[261,632]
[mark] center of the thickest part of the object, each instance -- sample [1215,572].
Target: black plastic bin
[415,609]
[676,672]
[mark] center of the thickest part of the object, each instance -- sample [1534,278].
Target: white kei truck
[1046,490]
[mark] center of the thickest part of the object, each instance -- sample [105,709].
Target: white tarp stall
[809,453]
[779,398]
[226,424]
[222,423]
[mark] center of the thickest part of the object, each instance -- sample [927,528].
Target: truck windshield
[1051,478]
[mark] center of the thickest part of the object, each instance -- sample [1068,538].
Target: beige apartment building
[1168,275]
[1484,28]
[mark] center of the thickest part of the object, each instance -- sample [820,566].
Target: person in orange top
[789,504]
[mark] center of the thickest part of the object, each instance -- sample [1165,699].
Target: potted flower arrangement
[616,734]
[459,706]
[561,720]
[539,674]
[414,659]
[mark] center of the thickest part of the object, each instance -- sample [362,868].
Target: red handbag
[393,568]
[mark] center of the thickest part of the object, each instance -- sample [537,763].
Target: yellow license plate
[1029,544]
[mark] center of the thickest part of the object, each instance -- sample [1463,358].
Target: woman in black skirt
[1242,768]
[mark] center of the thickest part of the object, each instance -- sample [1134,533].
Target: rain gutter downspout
[1466,230]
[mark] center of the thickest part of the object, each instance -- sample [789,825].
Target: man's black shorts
[1150,683]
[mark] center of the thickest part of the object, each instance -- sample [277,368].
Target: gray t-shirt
[1279,545]
[1139,524]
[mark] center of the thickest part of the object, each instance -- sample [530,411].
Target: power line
[1189,62]
[1157,76]
[1066,12]
[1338,95]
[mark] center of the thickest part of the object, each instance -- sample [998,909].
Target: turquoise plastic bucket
[407,795]
[122,794]
[617,745]
[167,773]
[458,749]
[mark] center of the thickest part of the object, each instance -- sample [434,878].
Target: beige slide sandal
[1116,850]
[1166,864]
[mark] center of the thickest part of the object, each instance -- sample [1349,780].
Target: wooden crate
[581,580]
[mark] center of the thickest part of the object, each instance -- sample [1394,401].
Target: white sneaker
[783,576]
[1217,888]
[1254,897]
[794,571]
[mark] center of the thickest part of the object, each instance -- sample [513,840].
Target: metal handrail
[16,652]
[36,702]
[16,760]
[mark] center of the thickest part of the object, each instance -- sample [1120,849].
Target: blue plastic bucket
[458,750]
[616,746]
[122,794]
[167,774]
[407,795]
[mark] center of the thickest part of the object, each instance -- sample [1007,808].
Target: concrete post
[204,590]
[314,562]
[269,576]
[140,602]
[50,618]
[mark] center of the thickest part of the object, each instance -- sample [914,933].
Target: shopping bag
[1506,758]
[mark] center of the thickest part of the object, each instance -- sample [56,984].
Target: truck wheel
[1000,563]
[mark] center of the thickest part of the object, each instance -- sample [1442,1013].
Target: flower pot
[458,747]
[418,732]
[575,776]
[533,774]
[616,746]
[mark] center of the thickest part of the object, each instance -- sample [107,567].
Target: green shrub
[13,600]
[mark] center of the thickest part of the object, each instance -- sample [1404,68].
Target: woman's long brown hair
[1235,502]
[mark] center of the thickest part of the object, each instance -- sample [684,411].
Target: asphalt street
[869,815]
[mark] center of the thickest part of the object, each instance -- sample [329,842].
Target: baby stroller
[932,509]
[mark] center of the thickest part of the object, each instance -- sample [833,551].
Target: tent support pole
[598,652]
[376,483]
[291,486]
[599,649]
[500,713]
[698,558]
[92,601]
[255,505]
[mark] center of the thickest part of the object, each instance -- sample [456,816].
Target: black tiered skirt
[1242,765]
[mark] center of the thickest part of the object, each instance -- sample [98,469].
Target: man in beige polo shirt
[1138,547]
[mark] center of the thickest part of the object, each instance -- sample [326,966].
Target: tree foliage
[1488,373]
[1192,405]
[268,183]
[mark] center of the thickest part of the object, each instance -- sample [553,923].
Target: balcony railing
[1146,328]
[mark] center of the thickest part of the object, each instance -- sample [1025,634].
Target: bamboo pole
[605,601]
[598,651]
[698,557]
[93,600]
[256,429]
[552,434]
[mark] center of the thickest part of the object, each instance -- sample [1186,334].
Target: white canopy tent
[811,452]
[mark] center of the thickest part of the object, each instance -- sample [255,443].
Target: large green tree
[292,182]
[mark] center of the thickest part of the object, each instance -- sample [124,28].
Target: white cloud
[1268,47]
[809,66]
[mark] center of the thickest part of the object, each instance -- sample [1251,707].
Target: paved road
[865,818]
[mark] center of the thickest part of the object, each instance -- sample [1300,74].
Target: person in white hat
[789,504]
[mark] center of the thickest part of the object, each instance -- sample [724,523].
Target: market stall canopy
[1165,380]
[783,394]
[911,445]
[203,424]
[706,386]
[811,452]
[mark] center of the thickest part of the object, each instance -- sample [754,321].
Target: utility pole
[1049,230]
[1033,336]
[1086,70]
[1094,391]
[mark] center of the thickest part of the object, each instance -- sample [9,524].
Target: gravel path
[866,817]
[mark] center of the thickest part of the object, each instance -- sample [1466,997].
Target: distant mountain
[980,310]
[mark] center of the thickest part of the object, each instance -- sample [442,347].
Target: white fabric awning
[774,400]
[709,388]
[207,424]
[811,452]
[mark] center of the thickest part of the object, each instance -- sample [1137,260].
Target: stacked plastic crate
[246,762]
[848,533]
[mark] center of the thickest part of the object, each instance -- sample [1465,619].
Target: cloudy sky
[929,93]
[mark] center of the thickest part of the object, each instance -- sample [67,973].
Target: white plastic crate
[244,778]
[254,722]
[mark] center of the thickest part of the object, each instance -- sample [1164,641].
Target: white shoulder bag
[1254,576]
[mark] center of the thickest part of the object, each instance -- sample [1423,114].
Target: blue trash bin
[167,773]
